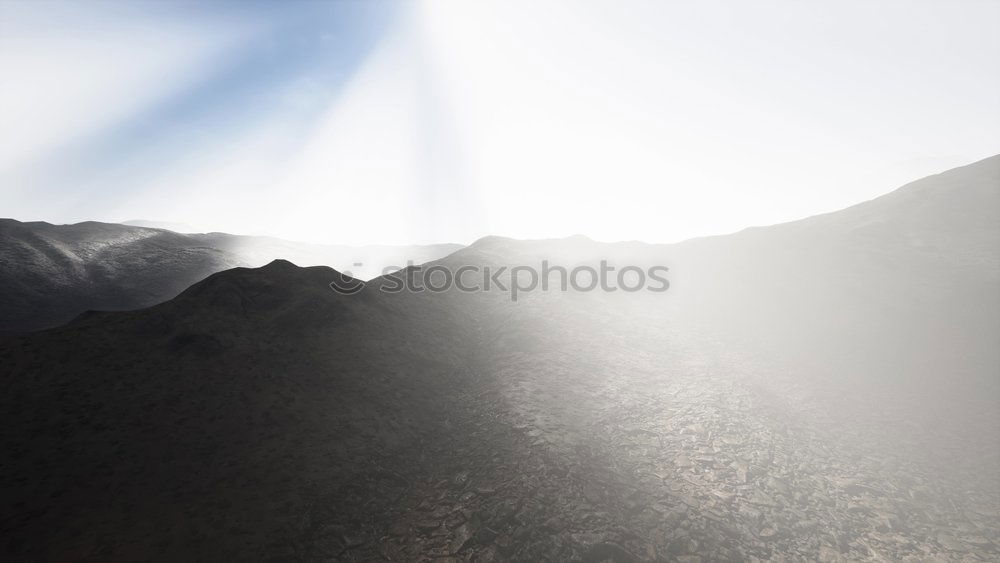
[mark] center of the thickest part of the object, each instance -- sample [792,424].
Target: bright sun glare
[661,122]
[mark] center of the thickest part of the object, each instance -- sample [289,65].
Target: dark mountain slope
[51,273]
[821,390]
[214,423]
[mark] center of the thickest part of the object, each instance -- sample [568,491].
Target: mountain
[255,393]
[820,390]
[904,285]
[168,225]
[51,273]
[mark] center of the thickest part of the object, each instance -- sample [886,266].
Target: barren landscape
[262,415]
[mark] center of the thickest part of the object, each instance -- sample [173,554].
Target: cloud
[350,175]
[661,121]
[72,70]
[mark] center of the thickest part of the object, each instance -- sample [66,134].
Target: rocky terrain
[825,390]
[685,448]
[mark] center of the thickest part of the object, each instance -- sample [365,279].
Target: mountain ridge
[847,382]
[52,273]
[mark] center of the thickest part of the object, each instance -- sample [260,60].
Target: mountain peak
[280,264]
[490,241]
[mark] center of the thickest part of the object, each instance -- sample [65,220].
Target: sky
[443,121]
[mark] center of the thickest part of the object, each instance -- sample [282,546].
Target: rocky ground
[820,390]
[677,448]
[251,419]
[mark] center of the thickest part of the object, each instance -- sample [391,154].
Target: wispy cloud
[72,70]
[105,101]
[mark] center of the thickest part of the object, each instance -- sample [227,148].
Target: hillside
[51,273]
[821,390]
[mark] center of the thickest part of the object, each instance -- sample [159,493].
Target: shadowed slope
[820,390]
[214,423]
[51,273]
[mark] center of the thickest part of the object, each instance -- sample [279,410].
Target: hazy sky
[431,121]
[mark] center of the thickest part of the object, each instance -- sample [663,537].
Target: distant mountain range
[819,390]
[168,225]
[907,281]
[51,273]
